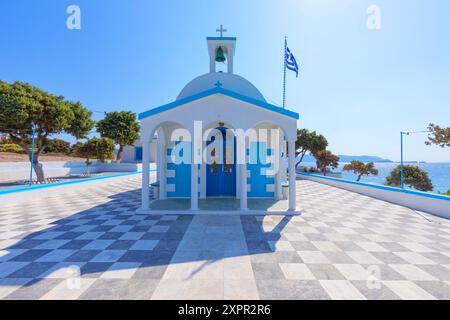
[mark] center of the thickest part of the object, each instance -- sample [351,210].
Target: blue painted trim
[376,186]
[258,167]
[181,179]
[57,184]
[221,38]
[225,92]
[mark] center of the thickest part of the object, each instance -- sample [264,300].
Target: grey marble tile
[281,289]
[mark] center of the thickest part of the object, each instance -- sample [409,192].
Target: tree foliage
[325,159]
[57,146]
[101,149]
[120,126]
[413,176]
[309,142]
[438,136]
[23,106]
[360,168]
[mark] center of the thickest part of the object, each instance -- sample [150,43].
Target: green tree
[120,126]
[74,148]
[413,176]
[447,193]
[308,142]
[57,146]
[325,159]
[23,106]
[101,149]
[438,136]
[360,168]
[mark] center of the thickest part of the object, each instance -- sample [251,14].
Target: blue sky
[358,87]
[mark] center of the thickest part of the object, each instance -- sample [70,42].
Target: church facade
[219,138]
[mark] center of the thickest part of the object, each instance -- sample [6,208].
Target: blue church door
[221,173]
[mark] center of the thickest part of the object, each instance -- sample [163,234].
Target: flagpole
[284,75]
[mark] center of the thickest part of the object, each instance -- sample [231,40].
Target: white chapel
[219,138]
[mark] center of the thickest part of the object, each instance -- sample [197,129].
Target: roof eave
[225,92]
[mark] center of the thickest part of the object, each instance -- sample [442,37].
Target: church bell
[220,55]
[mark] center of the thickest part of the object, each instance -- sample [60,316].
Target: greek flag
[291,63]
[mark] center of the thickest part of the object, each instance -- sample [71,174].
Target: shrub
[14,148]
[57,146]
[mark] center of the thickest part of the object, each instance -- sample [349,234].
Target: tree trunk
[37,167]
[88,167]
[39,171]
[119,154]
[301,158]
[359,178]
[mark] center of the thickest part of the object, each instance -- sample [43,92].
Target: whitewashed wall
[128,154]
[435,204]
[13,171]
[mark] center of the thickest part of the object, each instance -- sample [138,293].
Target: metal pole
[401,160]
[32,156]
[284,76]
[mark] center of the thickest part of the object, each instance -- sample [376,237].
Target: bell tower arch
[221,49]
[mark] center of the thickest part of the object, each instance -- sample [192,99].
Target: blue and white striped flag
[291,63]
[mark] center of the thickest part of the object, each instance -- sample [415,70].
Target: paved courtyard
[91,245]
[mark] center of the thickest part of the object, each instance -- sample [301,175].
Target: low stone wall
[431,203]
[14,171]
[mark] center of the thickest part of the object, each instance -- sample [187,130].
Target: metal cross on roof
[221,30]
[218,84]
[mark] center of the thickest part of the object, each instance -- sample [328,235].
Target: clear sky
[358,87]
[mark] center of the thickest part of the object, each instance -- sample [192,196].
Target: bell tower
[221,49]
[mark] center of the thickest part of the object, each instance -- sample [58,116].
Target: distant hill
[346,158]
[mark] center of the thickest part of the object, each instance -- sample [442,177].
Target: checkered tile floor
[92,245]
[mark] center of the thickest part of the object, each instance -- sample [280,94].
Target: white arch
[165,126]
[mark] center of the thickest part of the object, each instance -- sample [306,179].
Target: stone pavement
[91,244]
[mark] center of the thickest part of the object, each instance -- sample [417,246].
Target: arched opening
[219,165]
[169,180]
[267,161]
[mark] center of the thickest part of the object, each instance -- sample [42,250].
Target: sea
[439,173]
